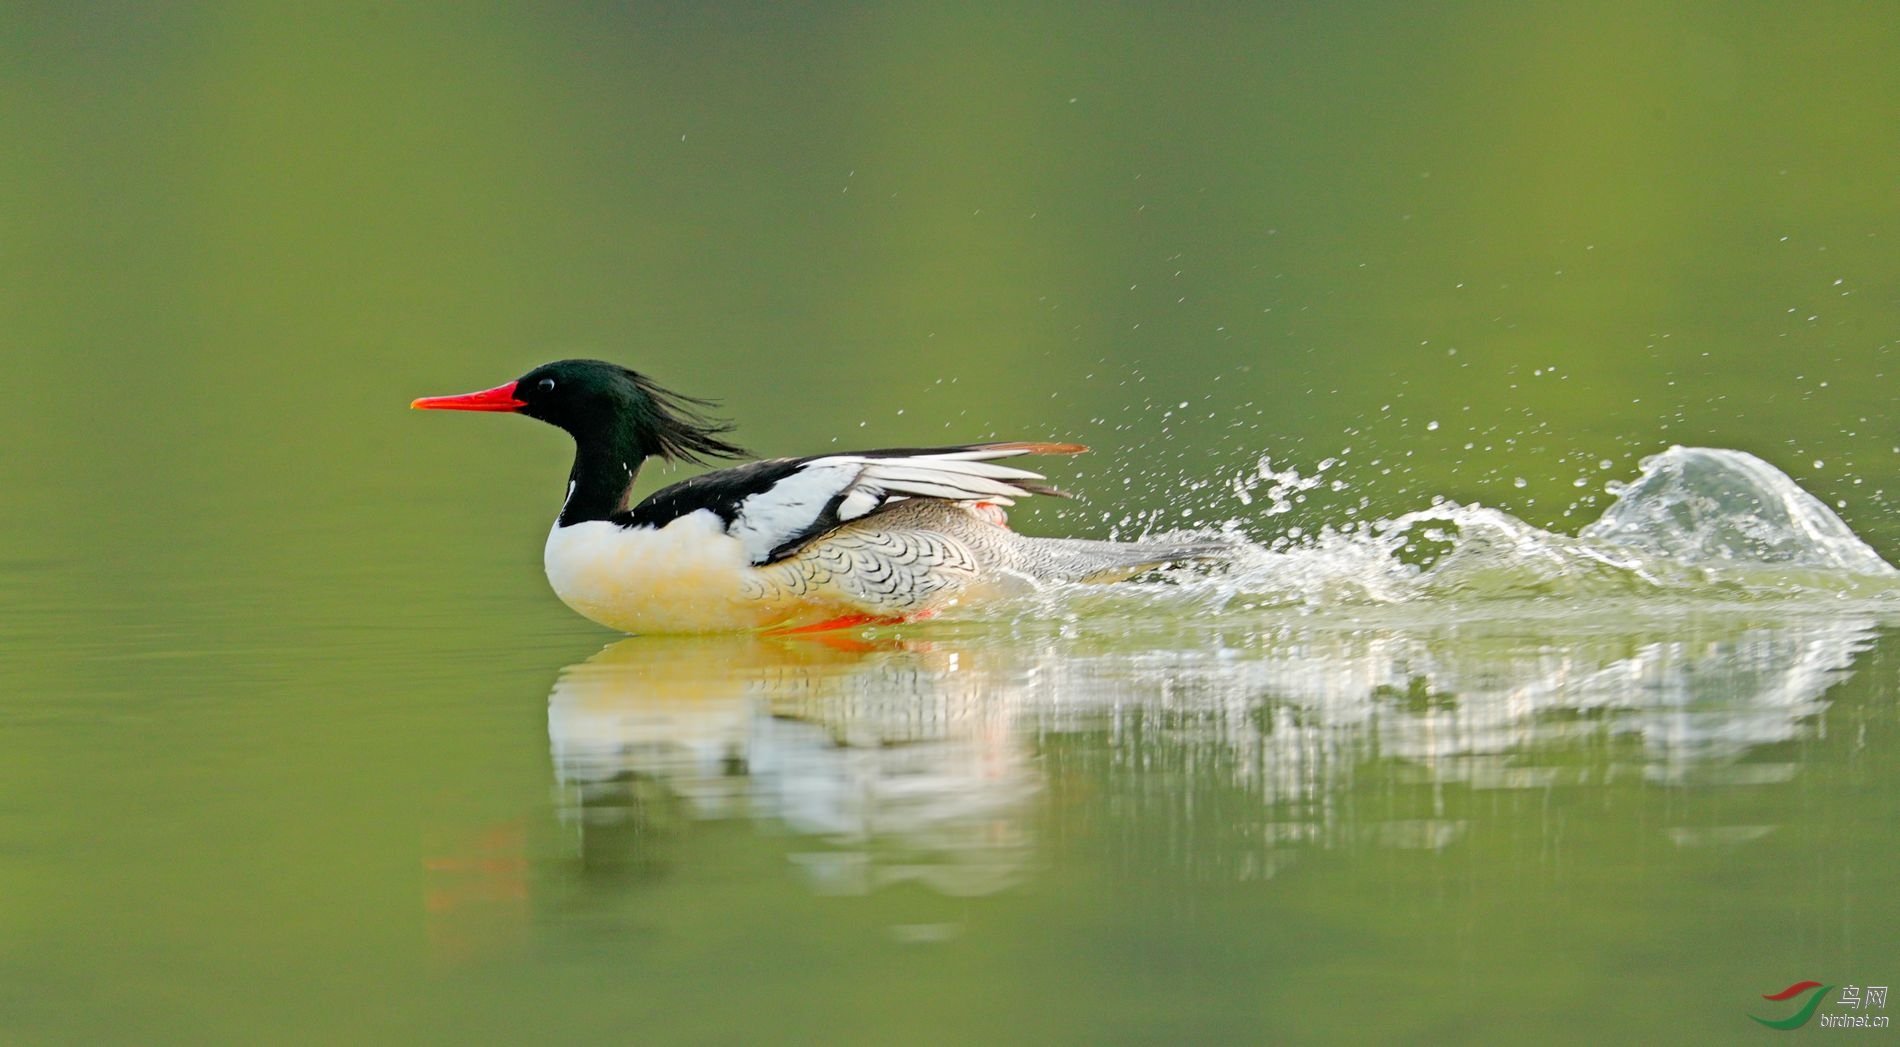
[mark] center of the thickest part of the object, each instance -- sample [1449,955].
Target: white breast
[688,576]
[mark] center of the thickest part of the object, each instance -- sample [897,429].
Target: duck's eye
[546,385]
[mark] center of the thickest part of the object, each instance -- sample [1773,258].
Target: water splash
[1285,487]
[1698,523]
[1721,508]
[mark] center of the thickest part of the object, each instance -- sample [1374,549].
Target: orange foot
[850,621]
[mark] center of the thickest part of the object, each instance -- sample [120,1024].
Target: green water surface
[296,747]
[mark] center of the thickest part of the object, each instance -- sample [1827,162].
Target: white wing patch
[861,485]
[774,516]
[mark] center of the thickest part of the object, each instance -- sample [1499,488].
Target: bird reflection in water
[1229,756]
[888,761]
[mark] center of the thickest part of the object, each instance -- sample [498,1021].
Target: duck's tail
[1088,560]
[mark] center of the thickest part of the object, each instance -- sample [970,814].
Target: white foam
[1697,524]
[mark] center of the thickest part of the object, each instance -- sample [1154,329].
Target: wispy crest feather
[683,430]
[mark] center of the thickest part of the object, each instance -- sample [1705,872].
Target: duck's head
[599,402]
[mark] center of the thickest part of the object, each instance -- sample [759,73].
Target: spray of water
[1698,524]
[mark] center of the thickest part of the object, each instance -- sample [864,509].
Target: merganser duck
[785,544]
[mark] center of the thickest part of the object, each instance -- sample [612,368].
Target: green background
[268,639]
